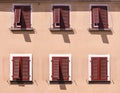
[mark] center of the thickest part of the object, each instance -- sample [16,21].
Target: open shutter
[17,17]
[16,68]
[55,68]
[65,17]
[95,72]
[25,68]
[26,17]
[95,17]
[103,17]
[56,17]
[103,68]
[64,68]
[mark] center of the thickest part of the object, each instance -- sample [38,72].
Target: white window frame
[52,5]
[59,55]
[20,55]
[21,5]
[89,65]
[90,7]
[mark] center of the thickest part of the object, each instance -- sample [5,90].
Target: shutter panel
[25,68]
[55,68]
[103,68]
[103,17]
[26,17]
[64,17]
[64,68]
[17,16]
[95,69]
[56,17]
[95,17]
[16,68]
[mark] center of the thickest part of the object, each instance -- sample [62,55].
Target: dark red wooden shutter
[95,69]
[17,16]
[95,17]
[103,17]
[16,68]
[103,68]
[65,17]
[25,68]
[56,17]
[64,68]
[55,68]
[26,17]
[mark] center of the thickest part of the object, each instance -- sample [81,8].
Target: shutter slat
[95,17]
[55,68]
[16,68]
[95,68]
[64,72]
[103,17]
[65,17]
[25,68]
[103,67]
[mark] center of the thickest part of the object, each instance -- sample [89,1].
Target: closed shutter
[26,16]
[64,68]
[16,68]
[25,68]
[95,17]
[95,69]
[17,16]
[65,17]
[103,68]
[103,17]
[55,68]
[56,17]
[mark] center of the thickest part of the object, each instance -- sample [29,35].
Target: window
[22,17]
[20,67]
[99,68]
[61,17]
[60,67]
[99,18]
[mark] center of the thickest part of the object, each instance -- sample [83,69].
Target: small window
[22,17]
[61,17]
[99,18]
[99,69]
[60,67]
[20,67]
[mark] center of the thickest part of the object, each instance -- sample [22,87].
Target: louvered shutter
[55,68]
[64,17]
[25,68]
[16,68]
[103,17]
[64,68]
[17,16]
[95,17]
[95,72]
[26,17]
[56,17]
[103,68]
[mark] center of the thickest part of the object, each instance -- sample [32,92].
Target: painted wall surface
[41,42]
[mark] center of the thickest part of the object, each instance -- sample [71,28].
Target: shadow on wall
[26,34]
[47,6]
[65,35]
[103,35]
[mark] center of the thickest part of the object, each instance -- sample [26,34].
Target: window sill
[99,30]
[60,82]
[21,29]
[21,82]
[60,29]
[99,82]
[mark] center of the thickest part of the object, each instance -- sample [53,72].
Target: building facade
[64,46]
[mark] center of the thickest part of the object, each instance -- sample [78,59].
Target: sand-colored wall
[42,42]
